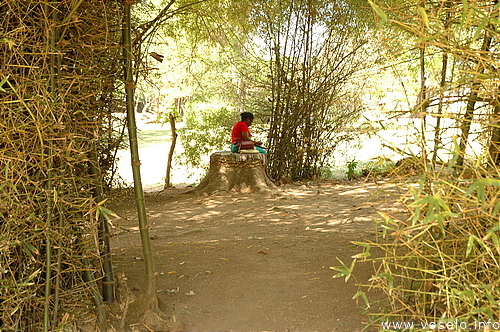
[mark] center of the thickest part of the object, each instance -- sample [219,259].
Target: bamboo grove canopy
[60,64]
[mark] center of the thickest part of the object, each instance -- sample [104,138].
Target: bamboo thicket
[439,264]
[59,66]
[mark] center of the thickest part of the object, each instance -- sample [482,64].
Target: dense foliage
[315,49]
[440,261]
[299,65]
[58,71]
[205,130]
[292,64]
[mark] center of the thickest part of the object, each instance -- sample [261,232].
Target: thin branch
[162,16]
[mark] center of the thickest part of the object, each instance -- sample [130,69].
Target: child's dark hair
[246,115]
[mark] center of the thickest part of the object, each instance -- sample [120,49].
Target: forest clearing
[232,262]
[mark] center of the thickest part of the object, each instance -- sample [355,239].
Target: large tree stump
[236,172]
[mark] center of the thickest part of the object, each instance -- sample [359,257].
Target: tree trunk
[442,84]
[471,100]
[437,129]
[494,147]
[171,152]
[243,173]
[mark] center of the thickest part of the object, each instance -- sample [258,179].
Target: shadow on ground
[228,262]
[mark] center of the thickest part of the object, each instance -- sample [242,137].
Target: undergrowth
[440,265]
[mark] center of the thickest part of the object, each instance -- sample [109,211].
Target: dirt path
[250,263]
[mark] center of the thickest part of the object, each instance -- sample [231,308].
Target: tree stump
[239,172]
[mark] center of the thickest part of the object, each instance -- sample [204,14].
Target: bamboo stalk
[57,285]
[48,246]
[134,151]
[50,188]
[108,282]
[89,278]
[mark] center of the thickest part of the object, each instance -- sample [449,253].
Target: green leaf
[105,213]
[495,210]
[363,296]
[32,276]
[24,284]
[344,270]
[425,18]
[3,82]
[29,249]
[441,226]
[494,229]
[486,310]
[470,245]
[480,28]
[479,185]
[495,239]
[380,12]
[365,253]
[466,13]
[390,280]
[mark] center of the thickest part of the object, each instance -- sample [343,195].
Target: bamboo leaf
[105,213]
[479,185]
[441,226]
[486,310]
[380,12]
[470,245]
[471,189]
[33,275]
[29,249]
[363,296]
[495,229]
[481,196]
[495,210]
[25,284]
[480,28]
[2,83]
[365,253]
[466,13]
[390,280]
[387,223]
[424,16]
[10,43]
[481,243]
[496,241]
[344,270]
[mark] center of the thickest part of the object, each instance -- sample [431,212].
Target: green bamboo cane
[108,282]
[89,278]
[50,188]
[57,285]
[48,240]
[134,151]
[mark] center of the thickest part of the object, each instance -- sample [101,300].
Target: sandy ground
[229,262]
